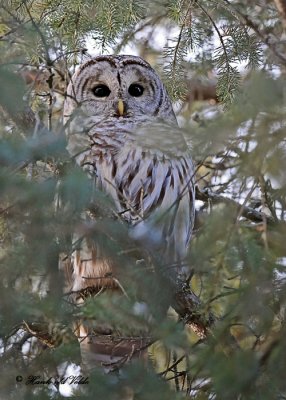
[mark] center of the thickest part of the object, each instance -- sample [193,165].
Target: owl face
[119,88]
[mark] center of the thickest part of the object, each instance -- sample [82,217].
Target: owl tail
[88,272]
[103,348]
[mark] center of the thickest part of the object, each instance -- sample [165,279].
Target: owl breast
[152,190]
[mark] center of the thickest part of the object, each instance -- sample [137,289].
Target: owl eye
[101,91]
[135,90]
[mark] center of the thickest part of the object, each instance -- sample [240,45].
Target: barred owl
[122,130]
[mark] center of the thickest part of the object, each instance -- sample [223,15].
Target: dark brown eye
[101,91]
[135,90]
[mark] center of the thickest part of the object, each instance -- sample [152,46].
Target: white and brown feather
[139,159]
[143,165]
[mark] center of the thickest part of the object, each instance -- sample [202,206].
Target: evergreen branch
[180,37]
[13,30]
[245,20]
[131,34]
[49,64]
[218,33]
[247,212]
[229,76]
[189,308]
[6,9]
[43,39]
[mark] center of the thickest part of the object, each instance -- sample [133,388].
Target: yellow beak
[120,107]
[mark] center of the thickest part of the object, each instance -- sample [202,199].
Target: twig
[245,20]
[247,212]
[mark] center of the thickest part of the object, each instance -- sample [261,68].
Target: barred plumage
[122,131]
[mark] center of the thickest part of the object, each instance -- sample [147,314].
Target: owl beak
[120,107]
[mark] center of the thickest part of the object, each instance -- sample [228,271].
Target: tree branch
[245,20]
[247,212]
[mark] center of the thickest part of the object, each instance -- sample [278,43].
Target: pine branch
[189,308]
[247,212]
[245,20]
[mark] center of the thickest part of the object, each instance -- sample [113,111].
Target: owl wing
[154,193]
[157,194]
[153,190]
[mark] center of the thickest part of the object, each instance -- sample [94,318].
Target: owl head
[122,89]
